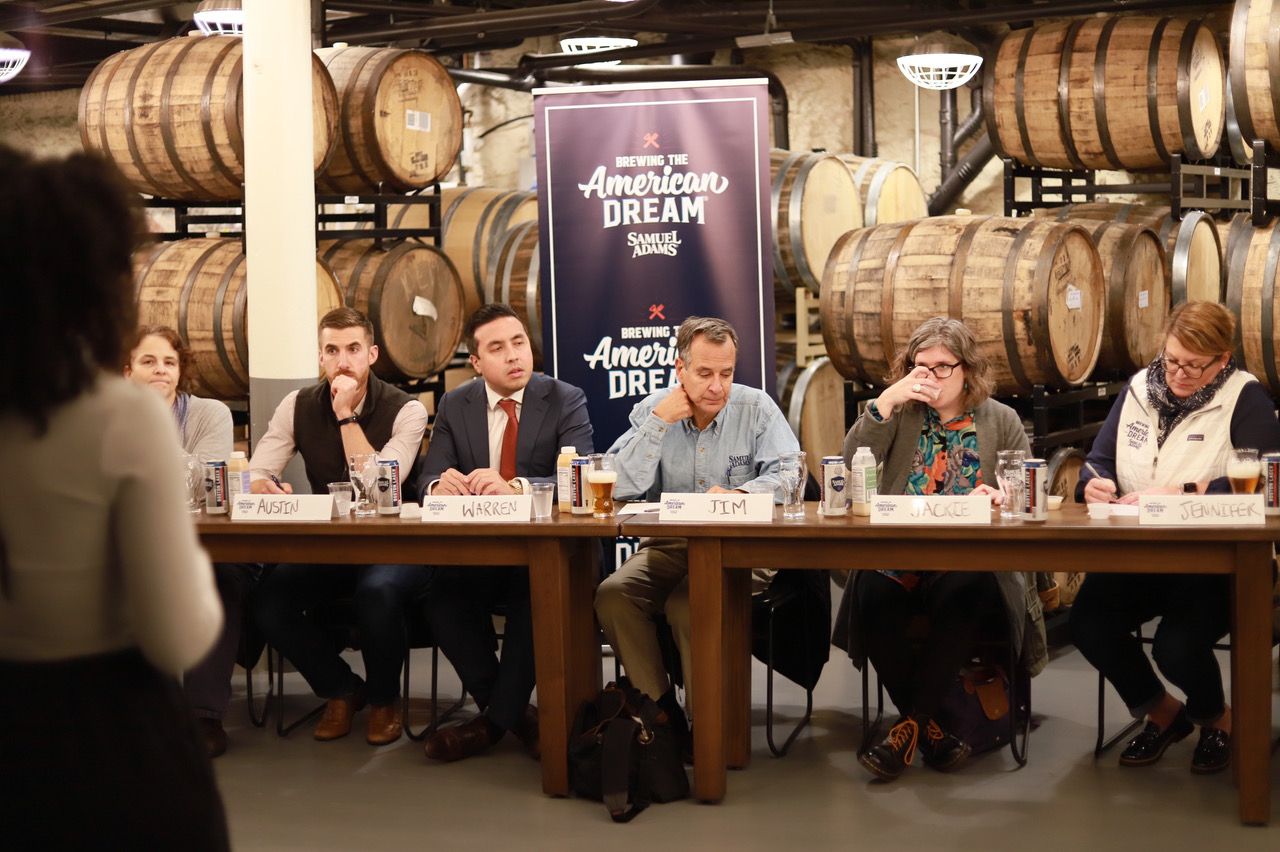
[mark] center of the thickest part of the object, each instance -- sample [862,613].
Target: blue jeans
[381,595]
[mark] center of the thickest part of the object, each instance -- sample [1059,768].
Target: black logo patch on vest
[1195,438]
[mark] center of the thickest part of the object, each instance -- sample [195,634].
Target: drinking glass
[791,474]
[1243,471]
[602,475]
[1009,477]
[543,492]
[364,476]
[344,494]
[193,469]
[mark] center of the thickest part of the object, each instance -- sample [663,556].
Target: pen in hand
[1095,472]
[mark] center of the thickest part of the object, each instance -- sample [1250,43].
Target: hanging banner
[653,206]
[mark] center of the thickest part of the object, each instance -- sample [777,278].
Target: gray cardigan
[999,428]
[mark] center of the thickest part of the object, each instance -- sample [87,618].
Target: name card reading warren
[470,509]
[931,509]
[1201,510]
[749,508]
[282,507]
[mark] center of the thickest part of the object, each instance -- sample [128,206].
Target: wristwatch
[1190,488]
[344,421]
[516,485]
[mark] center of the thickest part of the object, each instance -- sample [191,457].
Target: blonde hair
[959,340]
[1206,328]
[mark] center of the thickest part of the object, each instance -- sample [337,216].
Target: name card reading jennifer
[282,507]
[1201,510]
[469,509]
[750,508]
[931,509]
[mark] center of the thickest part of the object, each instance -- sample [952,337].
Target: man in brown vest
[349,413]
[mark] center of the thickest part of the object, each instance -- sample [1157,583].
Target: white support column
[280,216]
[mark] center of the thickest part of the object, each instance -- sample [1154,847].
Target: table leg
[562,582]
[1251,681]
[736,664]
[707,602]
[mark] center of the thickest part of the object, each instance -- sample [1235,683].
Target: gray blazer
[894,443]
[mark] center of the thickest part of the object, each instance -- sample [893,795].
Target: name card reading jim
[749,508]
[1201,510]
[471,509]
[970,509]
[282,507]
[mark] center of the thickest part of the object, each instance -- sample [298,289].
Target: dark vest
[318,438]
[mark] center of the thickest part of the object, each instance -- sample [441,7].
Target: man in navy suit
[494,435]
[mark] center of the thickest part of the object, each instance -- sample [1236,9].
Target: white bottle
[564,485]
[862,481]
[237,474]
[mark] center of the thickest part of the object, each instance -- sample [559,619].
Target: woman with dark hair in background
[935,430]
[105,594]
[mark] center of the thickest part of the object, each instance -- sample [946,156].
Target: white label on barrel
[1204,98]
[425,308]
[349,199]
[1144,299]
[1075,298]
[415,119]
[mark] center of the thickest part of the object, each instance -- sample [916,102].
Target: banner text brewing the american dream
[652,198]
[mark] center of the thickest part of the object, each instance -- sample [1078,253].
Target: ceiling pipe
[514,20]
[961,176]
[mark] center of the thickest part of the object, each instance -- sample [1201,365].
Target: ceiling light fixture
[220,17]
[595,44]
[13,56]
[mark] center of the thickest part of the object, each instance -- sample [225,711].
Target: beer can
[388,496]
[1271,482]
[578,487]
[1035,481]
[835,497]
[215,487]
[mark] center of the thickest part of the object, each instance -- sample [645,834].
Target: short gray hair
[714,329]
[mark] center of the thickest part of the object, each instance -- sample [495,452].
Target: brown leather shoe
[460,741]
[336,721]
[213,736]
[526,730]
[384,724]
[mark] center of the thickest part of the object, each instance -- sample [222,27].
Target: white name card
[971,509]
[1201,510]
[717,508]
[471,509]
[282,507]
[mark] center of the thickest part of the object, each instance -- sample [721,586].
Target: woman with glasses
[1173,430]
[935,430]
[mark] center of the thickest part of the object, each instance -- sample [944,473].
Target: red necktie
[507,467]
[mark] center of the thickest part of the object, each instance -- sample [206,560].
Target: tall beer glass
[1243,471]
[602,474]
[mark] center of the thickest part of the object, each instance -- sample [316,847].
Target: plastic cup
[543,494]
[344,494]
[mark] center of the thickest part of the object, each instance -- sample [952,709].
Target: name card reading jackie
[1201,510]
[721,508]
[282,507]
[469,509]
[968,510]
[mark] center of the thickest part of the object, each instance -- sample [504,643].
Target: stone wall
[42,123]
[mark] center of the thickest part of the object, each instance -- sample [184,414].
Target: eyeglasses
[940,371]
[1191,371]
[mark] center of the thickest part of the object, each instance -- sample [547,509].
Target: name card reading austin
[282,507]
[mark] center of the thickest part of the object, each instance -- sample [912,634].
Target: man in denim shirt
[703,435]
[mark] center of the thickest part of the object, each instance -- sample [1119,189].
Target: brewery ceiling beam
[112,29]
[29,18]
[398,7]
[584,12]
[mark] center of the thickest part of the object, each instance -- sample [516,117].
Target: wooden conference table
[1069,541]
[561,556]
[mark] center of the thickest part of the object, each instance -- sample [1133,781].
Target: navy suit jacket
[553,415]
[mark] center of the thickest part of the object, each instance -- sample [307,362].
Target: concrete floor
[294,793]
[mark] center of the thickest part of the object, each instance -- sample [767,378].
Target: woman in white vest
[1172,431]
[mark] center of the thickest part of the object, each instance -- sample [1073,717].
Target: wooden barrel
[812,397]
[1106,93]
[1254,75]
[1192,246]
[399,120]
[411,293]
[1253,272]
[1031,290]
[814,201]
[170,115]
[1064,472]
[890,191]
[514,280]
[197,287]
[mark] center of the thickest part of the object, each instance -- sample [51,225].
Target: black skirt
[103,753]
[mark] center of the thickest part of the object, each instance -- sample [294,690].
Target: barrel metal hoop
[219,298]
[1153,88]
[886,291]
[1100,93]
[955,283]
[240,325]
[1114,325]
[531,289]
[988,104]
[795,405]
[775,207]
[1064,93]
[166,126]
[366,256]
[232,121]
[370,115]
[188,284]
[878,180]
[1190,141]
[508,203]
[1267,307]
[795,224]
[1239,240]
[446,216]
[860,238]
[349,147]
[869,205]
[1019,87]
[232,113]
[156,187]
[1007,326]
[1236,71]
[82,107]
[487,212]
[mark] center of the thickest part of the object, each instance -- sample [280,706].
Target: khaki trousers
[655,580]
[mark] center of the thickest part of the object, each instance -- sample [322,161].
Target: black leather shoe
[679,724]
[213,736]
[1213,752]
[461,741]
[889,758]
[942,751]
[526,731]
[1148,747]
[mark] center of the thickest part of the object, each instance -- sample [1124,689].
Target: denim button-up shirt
[738,450]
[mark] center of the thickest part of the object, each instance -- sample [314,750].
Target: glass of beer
[1243,471]
[602,474]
